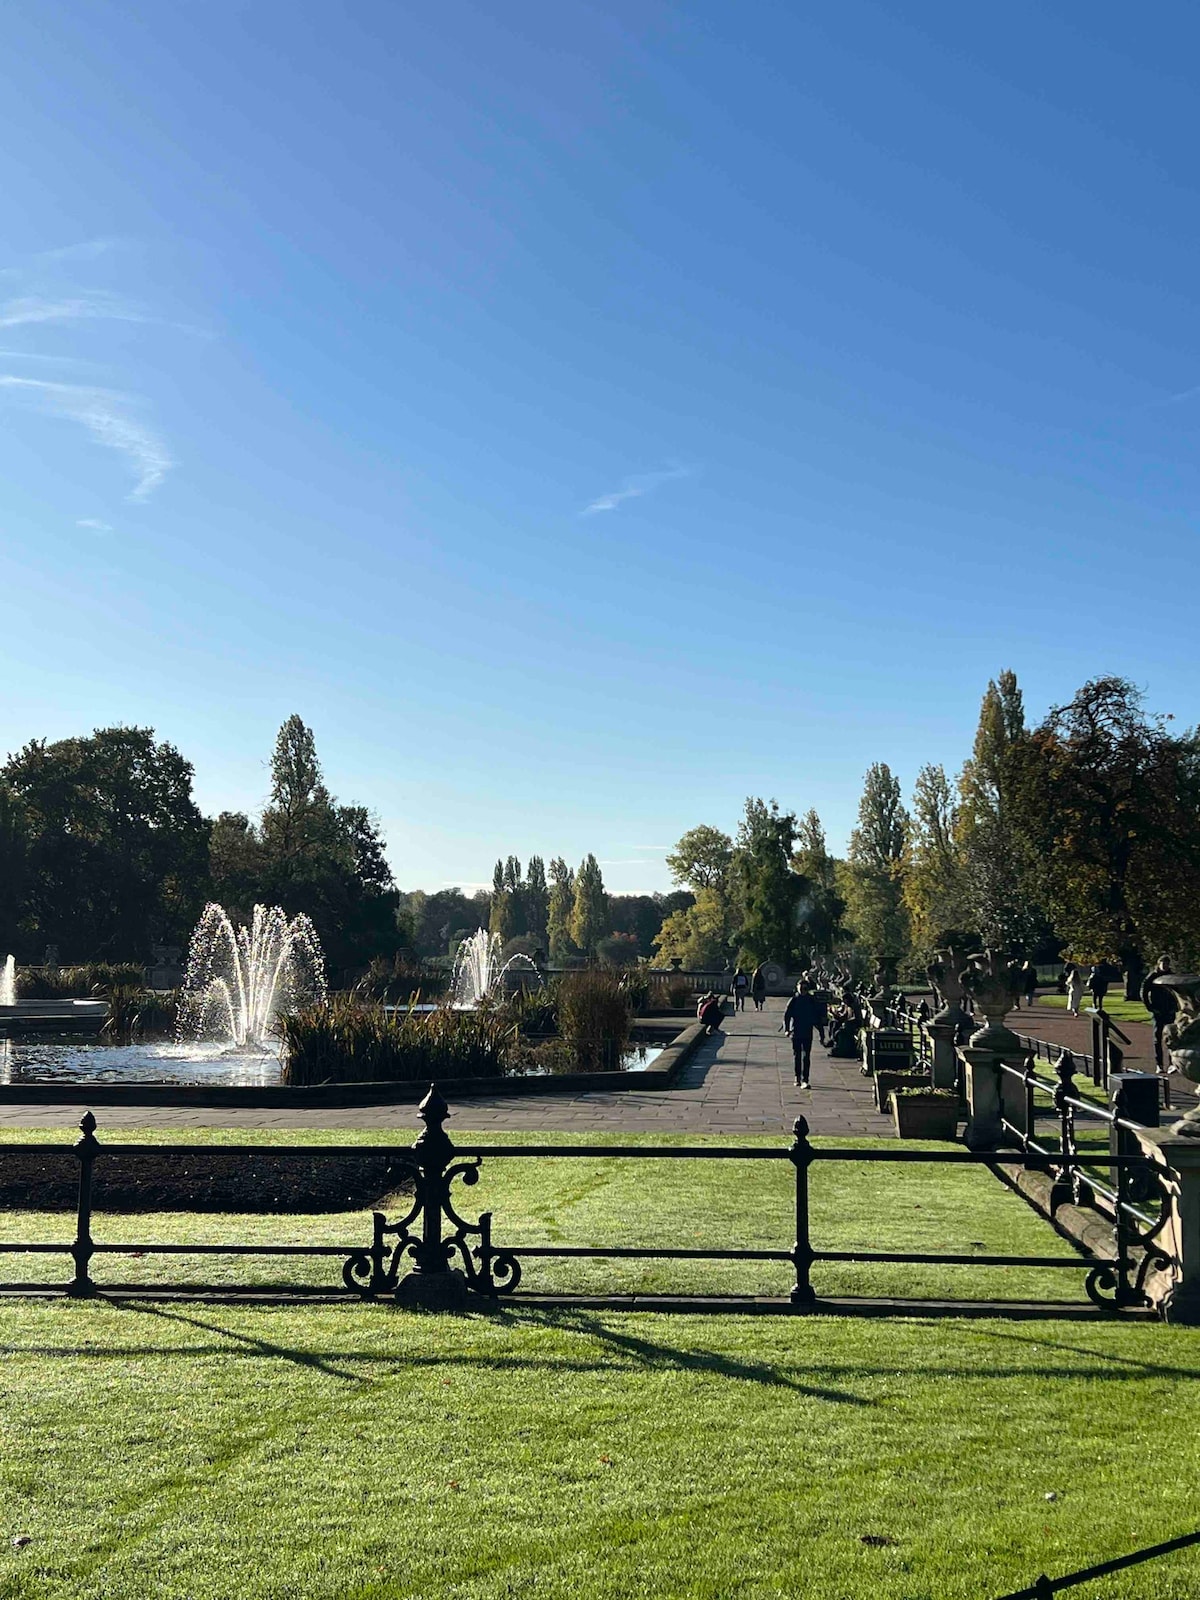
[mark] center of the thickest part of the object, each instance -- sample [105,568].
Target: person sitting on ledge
[710,1012]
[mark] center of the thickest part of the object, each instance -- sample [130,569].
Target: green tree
[324,859]
[770,891]
[874,875]
[116,851]
[821,907]
[1109,808]
[1000,895]
[236,864]
[502,920]
[701,935]
[536,897]
[558,914]
[14,868]
[936,890]
[589,914]
[697,936]
[703,859]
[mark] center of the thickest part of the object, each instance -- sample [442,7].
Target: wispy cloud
[108,417]
[95,524]
[633,488]
[83,250]
[27,308]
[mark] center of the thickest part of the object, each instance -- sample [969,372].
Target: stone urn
[945,976]
[989,981]
[1182,1039]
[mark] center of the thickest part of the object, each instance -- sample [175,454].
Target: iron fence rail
[433,1243]
[1043,1587]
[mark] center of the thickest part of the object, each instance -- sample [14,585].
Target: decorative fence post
[432,1284]
[87,1146]
[1069,1184]
[801,1156]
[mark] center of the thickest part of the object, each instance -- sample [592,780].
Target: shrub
[138,1013]
[344,1041]
[397,980]
[82,982]
[595,1016]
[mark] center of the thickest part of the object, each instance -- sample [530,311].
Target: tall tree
[1000,897]
[874,878]
[324,859]
[936,890]
[14,866]
[502,920]
[537,903]
[821,904]
[1109,807]
[771,891]
[559,910]
[589,915]
[116,849]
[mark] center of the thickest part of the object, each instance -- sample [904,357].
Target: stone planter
[925,1116]
[886,1080]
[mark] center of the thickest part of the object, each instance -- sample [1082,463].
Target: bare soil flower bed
[205,1179]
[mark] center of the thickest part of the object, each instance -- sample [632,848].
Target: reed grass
[344,1041]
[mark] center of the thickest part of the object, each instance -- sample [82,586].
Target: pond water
[80,1061]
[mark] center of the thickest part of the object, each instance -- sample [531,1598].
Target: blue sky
[585,416]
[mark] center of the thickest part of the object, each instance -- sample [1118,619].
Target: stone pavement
[739,1082]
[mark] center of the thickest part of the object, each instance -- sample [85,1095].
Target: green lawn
[1118,1009]
[207,1451]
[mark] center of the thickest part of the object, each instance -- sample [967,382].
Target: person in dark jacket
[1098,984]
[758,988]
[1029,982]
[1161,1004]
[804,1013]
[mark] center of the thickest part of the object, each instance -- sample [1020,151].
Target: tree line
[1079,837]
[105,855]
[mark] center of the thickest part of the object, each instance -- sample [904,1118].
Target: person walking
[804,1013]
[758,988]
[1029,982]
[1098,984]
[1073,978]
[1161,1004]
[741,984]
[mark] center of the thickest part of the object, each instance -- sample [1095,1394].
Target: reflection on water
[83,1061]
[76,1061]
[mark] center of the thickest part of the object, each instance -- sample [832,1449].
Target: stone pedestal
[944,1067]
[1174,1289]
[983,1098]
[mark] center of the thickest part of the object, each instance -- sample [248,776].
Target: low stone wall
[660,1076]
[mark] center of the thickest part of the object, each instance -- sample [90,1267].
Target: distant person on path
[740,985]
[1029,982]
[1161,1004]
[1098,984]
[1074,982]
[709,1012]
[804,1013]
[758,988]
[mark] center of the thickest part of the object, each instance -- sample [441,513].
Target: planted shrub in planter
[886,1080]
[925,1113]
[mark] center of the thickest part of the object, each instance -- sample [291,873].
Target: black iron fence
[1043,1588]
[1134,1199]
[432,1253]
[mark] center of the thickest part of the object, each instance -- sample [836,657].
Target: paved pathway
[740,1082]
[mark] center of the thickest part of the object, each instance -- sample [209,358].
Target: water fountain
[478,971]
[239,979]
[8,982]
